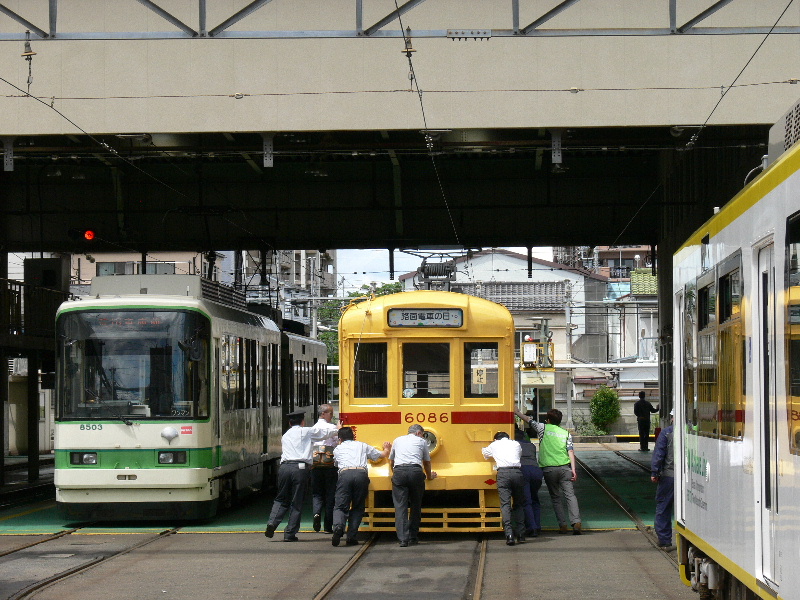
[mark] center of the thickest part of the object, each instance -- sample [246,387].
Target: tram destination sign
[426,317]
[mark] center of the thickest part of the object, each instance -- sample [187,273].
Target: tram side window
[792,342]
[370,370]
[731,357]
[689,323]
[274,375]
[426,370]
[232,375]
[303,397]
[481,366]
[707,362]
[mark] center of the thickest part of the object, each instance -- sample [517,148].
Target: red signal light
[88,234]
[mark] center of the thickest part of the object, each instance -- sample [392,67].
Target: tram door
[767,407]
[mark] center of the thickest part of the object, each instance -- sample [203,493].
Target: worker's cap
[298,414]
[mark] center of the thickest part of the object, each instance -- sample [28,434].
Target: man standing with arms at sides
[510,484]
[557,459]
[293,473]
[323,475]
[411,466]
[351,490]
[662,472]
[643,409]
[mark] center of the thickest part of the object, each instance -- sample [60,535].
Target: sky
[360,267]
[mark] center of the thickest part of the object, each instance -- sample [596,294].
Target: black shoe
[269,531]
[510,540]
[337,536]
[413,542]
[292,538]
[520,539]
[532,533]
[317,520]
[351,542]
[667,547]
[404,544]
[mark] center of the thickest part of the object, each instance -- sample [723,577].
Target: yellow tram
[443,360]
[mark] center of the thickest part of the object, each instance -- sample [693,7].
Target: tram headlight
[172,458]
[433,441]
[83,458]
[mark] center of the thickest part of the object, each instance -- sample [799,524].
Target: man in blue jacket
[662,472]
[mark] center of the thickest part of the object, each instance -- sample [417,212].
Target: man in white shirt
[510,485]
[296,458]
[351,489]
[411,466]
[323,475]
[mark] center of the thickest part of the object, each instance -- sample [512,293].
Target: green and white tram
[169,393]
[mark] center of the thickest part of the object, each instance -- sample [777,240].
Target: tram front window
[426,370]
[138,364]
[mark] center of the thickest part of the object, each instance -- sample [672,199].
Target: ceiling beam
[23,21]
[247,10]
[548,15]
[703,15]
[395,14]
[167,16]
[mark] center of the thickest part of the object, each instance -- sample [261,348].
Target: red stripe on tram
[485,416]
[369,418]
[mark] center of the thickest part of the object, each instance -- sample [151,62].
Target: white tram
[737,381]
[171,397]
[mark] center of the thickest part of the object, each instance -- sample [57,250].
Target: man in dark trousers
[510,485]
[411,466]
[296,459]
[642,409]
[662,472]
[353,484]
[323,475]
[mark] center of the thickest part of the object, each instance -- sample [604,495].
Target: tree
[604,407]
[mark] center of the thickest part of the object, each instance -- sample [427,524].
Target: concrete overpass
[198,125]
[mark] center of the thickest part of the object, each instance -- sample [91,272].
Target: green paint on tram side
[140,458]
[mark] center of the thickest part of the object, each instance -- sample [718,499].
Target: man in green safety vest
[557,459]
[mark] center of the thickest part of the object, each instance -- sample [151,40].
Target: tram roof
[371,315]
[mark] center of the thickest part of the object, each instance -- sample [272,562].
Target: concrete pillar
[3,408]
[33,416]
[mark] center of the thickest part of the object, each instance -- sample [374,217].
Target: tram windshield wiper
[124,419]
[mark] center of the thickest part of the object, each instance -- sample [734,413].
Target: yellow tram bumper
[467,500]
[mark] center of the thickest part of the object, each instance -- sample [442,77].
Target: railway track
[618,500]
[465,567]
[42,571]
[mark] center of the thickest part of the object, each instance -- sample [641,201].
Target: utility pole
[568,315]
[313,303]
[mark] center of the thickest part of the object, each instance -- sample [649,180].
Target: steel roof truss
[247,10]
[395,14]
[161,13]
[703,15]
[546,16]
[22,21]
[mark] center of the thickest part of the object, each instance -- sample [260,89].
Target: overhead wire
[571,90]
[428,138]
[695,136]
[724,93]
